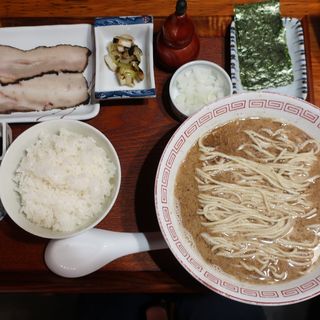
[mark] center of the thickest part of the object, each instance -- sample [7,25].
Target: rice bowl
[56,189]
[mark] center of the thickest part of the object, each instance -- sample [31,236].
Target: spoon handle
[119,244]
[154,241]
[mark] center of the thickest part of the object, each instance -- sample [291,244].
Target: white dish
[10,198]
[201,66]
[271,105]
[295,41]
[141,29]
[30,37]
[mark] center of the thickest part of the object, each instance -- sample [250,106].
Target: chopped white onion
[197,87]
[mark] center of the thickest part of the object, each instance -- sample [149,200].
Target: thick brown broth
[227,139]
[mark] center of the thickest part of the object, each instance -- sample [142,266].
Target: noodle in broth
[247,193]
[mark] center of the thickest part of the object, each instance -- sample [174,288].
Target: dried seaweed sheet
[263,54]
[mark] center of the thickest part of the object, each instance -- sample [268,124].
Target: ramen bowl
[11,199]
[299,113]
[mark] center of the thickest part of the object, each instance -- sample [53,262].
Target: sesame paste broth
[247,243]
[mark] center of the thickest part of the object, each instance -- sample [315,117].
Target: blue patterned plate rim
[122,20]
[126,94]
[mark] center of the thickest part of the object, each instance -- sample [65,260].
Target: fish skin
[17,64]
[46,92]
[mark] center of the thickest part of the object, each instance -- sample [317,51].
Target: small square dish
[140,28]
[27,38]
[295,41]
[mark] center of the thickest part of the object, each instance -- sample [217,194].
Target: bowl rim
[31,134]
[187,65]
[293,110]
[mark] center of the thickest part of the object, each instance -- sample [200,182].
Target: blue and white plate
[141,29]
[295,41]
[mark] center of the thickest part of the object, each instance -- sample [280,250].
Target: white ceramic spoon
[83,254]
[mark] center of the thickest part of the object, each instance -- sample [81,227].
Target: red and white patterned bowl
[268,105]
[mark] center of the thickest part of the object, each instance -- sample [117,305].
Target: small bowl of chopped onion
[197,84]
[59,178]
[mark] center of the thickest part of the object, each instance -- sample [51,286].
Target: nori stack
[264,58]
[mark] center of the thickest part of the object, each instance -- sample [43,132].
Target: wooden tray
[139,130]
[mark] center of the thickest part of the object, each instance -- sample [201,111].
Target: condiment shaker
[177,41]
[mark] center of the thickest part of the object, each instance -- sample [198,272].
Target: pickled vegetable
[124,58]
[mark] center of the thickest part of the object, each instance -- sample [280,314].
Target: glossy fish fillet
[46,92]
[16,64]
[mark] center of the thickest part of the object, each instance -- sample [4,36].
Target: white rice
[64,180]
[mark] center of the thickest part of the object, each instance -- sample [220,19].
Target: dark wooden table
[139,130]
